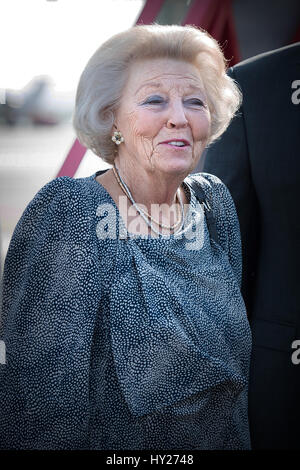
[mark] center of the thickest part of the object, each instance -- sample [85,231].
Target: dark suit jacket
[258,158]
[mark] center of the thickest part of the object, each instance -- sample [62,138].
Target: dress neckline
[130,235]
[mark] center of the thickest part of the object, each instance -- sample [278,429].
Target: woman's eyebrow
[195,88]
[158,85]
[149,84]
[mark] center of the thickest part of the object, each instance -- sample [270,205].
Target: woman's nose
[177,116]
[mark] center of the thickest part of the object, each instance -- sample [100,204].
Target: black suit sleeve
[228,158]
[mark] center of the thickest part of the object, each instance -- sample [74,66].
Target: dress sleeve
[47,302]
[227,222]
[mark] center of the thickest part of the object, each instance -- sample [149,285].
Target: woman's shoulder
[208,180]
[63,205]
[219,197]
[214,188]
[64,191]
[61,187]
[58,189]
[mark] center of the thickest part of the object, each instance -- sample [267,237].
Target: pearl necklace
[142,212]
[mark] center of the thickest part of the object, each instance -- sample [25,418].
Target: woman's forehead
[157,74]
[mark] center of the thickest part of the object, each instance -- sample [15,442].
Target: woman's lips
[176,147]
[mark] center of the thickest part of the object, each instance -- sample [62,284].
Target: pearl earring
[117,138]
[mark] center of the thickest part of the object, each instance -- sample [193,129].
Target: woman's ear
[113,129]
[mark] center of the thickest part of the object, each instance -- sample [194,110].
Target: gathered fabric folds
[167,344]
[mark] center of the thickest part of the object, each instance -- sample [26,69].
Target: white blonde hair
[102,81]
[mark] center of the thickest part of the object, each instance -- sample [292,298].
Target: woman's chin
[176,166]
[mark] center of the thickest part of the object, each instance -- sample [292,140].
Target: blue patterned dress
[117,341]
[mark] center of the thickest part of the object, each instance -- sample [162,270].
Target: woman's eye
[198,102]
[154,100]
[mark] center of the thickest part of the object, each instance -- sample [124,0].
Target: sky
[57,37]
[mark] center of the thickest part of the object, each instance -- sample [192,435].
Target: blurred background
[45,44]
[44,47]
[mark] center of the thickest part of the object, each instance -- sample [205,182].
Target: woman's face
[163,100]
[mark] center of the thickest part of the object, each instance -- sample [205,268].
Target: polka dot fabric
[123,342]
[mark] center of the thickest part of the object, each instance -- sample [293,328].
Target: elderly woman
[123,319]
